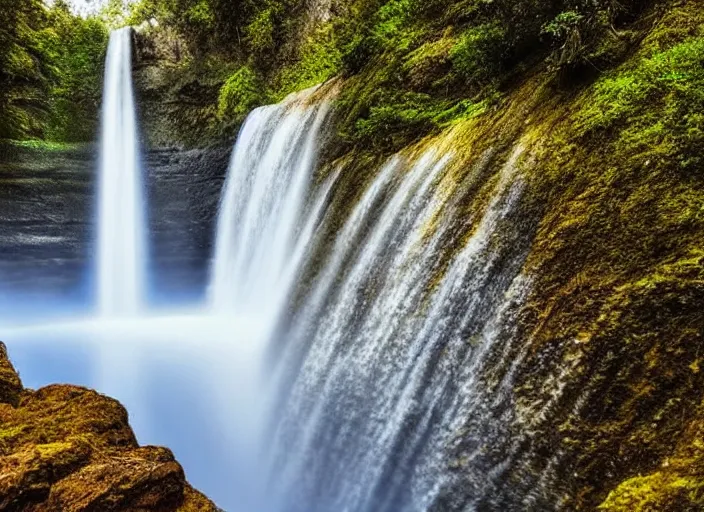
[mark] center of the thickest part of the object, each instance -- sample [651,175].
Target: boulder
[66,448]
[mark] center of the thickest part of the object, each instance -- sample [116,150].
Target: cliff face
[66,448]
[47,213]
[177,94]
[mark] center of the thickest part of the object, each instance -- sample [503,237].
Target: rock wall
[48,215]
[177,95]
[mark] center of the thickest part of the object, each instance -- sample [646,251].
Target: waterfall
[261,229]
[121,231]
[382,364]
[392,369]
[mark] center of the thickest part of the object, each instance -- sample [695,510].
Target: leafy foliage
[50,68]
[478,55]
[26,67]
[260,32]
[412,65]
[75,97]
[242,92]
[319,60]
[460,52]
[658,103]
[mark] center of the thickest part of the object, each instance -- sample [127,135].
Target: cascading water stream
[121,231]
[262,228]
[268,214]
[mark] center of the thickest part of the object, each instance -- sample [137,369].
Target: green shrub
[201,14]
[51,66]
[357,52]
[393,29]
[563,25]
[141,11]
[319,59]
[392,125]
[567,32]
[242,92]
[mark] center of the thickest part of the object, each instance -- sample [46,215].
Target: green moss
[260,32]
[43,145]
[657,103]
[676,485]
[656,493]
[429,63]
[617,261]
[392,29]
[8,435]
[52,450]
[478,54]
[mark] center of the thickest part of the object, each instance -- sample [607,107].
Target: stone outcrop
[177,93]
[67,449]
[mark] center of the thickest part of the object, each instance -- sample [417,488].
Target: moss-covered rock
[66,448]
[677,485]
[10,383]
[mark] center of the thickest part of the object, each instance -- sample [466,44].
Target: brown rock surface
[68,449]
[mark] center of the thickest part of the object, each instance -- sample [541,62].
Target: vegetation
[241,92]
[412,66]
[51,65]
[76,92]
[663,92]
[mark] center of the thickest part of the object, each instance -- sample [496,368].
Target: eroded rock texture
[67,449]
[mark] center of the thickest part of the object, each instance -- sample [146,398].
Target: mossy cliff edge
[68,449]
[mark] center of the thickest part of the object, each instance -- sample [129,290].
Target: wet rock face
[184,191]
[69,449]
[48,223]
[45,209]
[177,102]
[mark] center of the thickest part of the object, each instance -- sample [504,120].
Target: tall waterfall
[121,231]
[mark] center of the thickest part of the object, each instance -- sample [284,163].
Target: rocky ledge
[66,448]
